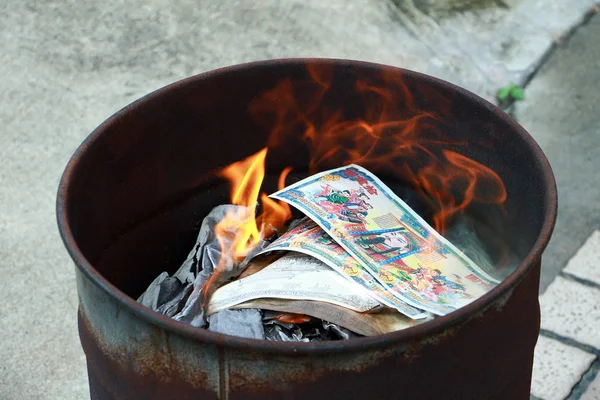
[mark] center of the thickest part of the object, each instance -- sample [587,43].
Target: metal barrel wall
[133,195]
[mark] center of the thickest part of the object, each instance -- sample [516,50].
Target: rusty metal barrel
[133,195]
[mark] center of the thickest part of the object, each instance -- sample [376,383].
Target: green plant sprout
[511,92]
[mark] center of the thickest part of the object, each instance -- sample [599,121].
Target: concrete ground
[67,65]
[567,362]
[561,112]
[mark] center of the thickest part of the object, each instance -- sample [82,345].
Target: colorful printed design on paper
[389,239]
[309,238]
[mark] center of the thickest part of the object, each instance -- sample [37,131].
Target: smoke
[463,233]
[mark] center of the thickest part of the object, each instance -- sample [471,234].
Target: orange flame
[241,230]
[477,183]
[393,136]
[291,318]
[246,178]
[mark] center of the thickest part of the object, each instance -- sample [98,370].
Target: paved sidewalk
[561,111]
[68,65]
[567,355]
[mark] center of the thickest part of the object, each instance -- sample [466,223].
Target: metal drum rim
[420,331]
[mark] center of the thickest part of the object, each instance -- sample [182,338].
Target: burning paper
[286,327]
[366,323]
[294,276]
[389,239]
[364,255]
[308,238]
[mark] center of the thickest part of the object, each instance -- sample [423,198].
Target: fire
[241,230]
[246,178]
[475,181]
[290,318]
[393,136]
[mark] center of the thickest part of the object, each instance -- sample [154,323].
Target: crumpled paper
[245,323]
[180,296]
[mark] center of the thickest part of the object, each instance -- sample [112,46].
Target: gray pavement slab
[584,264]
[557,367]
[569,340]
[561,113]
[572,310]
[67,65]
[489,44]
[593,391]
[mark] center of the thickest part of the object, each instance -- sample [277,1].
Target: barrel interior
[146,177]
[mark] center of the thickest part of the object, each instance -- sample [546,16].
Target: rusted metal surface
[129,205]
[487,357]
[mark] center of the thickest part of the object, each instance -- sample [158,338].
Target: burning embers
[356,260]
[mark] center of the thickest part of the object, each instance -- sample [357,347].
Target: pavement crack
[558,43]
[579,280]
[413,20]
[570,342]
[509,106]
[586,380]
[426,29]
